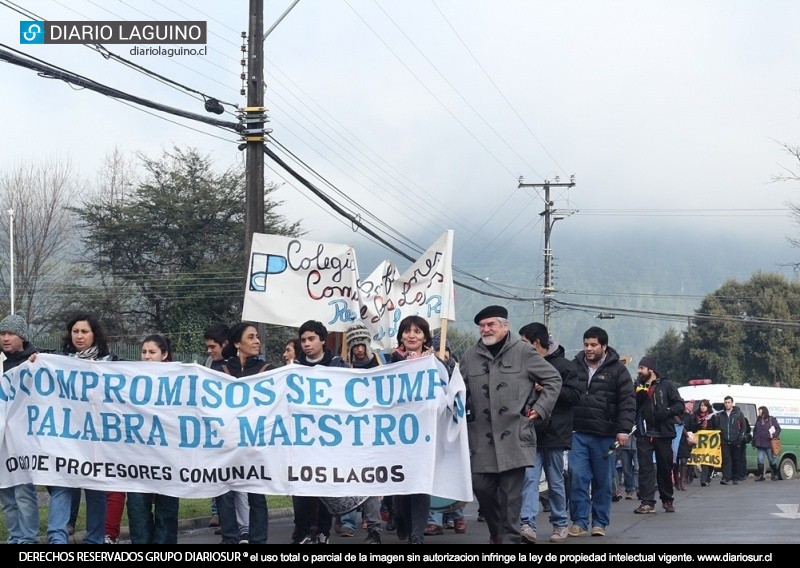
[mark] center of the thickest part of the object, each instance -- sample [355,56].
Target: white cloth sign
[292,280]
[188,431]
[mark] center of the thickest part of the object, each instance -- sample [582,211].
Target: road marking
[790,510]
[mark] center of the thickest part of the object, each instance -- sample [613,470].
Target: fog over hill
[659,269]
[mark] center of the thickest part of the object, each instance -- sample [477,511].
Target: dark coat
[556,431]
[14,359]
[328,360]
[656,412]
[253,365]
[500,387]
[761,435]
[607,406]
[731,427]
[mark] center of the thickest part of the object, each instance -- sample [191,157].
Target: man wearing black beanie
[658,402]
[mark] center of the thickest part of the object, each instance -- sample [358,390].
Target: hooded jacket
[328,360]
[556,431]
[18,358]
[656,411]
[607,406]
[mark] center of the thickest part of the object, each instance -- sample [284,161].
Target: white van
[783,404]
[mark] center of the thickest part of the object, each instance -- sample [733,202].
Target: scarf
[90,353]
[401,352]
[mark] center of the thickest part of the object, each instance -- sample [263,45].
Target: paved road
[748,513]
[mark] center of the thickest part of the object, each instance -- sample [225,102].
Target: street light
[11,253]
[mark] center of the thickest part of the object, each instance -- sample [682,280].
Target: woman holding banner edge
[85,339]
[152,517]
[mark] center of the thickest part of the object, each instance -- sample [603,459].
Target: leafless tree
[791,173]
[44,235]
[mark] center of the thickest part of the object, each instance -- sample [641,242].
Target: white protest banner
[291,281]
[188,431]
[425,289]
[377,307]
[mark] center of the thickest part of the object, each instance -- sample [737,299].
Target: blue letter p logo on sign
[31,32]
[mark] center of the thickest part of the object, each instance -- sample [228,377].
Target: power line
[50,71]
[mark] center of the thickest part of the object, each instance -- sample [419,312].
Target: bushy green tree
[744,332]
[174,245]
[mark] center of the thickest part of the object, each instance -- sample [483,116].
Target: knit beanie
[16,325]
[650,363]
[357,334]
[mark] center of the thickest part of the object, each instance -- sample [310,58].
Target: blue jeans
[349,520]
[761,454]
[630,469]
[21,510]
[590,468]
[58,515]
[153,518]
[438,517]
[552,462]
[259,518]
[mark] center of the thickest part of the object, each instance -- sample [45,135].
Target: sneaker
[598,531]
[373,537]
[668,506]
[630,495]
[724,482]
[449,525]
[305,540]
[214,522]
[481,518]
[110,540]
[559,534]
[617,497]
[244,538]
[346,532]
[322,538]
[575,530]
[644,509]
[432,529]
[527,533]
[460,525]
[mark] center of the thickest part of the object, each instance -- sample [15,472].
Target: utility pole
[550,217]
[253,134]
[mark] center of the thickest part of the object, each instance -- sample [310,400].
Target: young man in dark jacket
[657,404]
[602,417]
[312,340]
[731,425]
[553,437]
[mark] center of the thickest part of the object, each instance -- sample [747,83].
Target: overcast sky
[669,114]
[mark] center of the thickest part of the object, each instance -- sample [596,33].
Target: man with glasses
[501,372]
[731,425]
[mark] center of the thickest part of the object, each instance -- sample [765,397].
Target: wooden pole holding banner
[443,339]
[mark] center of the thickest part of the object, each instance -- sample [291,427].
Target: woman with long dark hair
[85,338]
[413,340]
[243,358]
[766,428]
[153,518]
[703,421]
